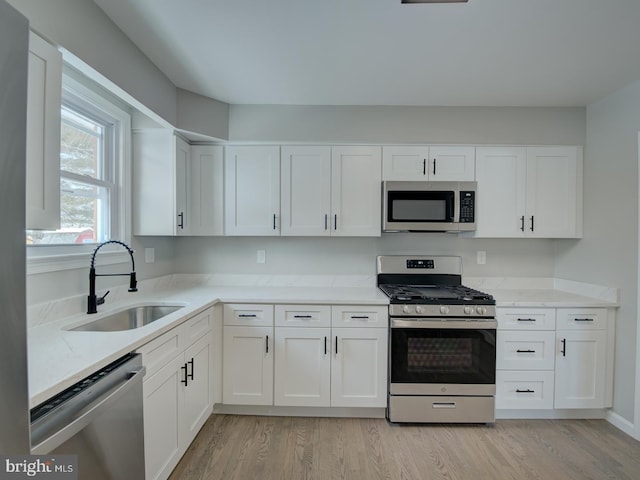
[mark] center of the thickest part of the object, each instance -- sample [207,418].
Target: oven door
[433,357]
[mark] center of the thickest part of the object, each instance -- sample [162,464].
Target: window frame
[77,90]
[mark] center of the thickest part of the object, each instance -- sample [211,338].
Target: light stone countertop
[58,358]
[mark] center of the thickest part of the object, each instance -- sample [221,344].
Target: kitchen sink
[134,317]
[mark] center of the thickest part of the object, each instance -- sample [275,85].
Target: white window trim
[52,258]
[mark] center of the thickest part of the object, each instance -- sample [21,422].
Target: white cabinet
[306,190]
[252,190]
[303,366]
[554,358]
[452,163]
[44,91]
[247,377]
[206,190]
[161,175]
[316,356]
[331,191]
[356,195]
[405,162]
[582,363]
[525,354]
[359,367]
[434,163]
[178,392]
[529,192]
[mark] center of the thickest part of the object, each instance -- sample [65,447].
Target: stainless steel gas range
[442,342]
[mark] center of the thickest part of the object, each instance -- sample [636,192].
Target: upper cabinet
[44,93]
[529,192]
[434,163]
[206,190]
[161,173]
[306,190]
[356,195]
[302,191]
[252,190]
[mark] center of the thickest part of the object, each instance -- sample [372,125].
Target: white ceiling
[379,52]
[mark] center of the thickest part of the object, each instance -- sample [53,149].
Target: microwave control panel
[467,207]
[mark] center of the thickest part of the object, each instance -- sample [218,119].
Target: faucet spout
[93,301]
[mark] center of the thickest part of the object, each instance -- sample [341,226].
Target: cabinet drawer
[582,318]
[526,318]
[524,390]
[360,316]
[246,314]
[197,327]
[525,350]
[303,315]
[158,352]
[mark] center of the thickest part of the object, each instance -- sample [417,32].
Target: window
[93,141]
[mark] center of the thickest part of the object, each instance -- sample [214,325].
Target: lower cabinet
[554,358]
[304,360]
[247,377]
[178,392]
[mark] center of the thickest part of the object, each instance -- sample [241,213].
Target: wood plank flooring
[233,447]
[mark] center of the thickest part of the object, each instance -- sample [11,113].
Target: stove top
[436,295]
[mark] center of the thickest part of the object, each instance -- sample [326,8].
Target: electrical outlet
[149,255]
[261,256]
[481,257]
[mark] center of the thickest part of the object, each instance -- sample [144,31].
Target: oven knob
[481,310]
[444,310]
[419,309]
[468,310]
[406,309]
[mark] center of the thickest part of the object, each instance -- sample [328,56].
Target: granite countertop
[58,358]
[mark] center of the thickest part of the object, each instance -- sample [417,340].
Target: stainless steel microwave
[428,206]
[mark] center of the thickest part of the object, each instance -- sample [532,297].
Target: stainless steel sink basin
[134,317]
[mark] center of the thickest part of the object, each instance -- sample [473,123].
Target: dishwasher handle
[88,413]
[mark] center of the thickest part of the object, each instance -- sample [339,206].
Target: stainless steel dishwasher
[99,419]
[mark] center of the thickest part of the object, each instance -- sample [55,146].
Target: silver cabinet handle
[443,405]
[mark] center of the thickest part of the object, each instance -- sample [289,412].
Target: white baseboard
[620,422]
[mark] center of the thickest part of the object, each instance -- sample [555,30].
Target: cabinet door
[405,162]
[580,369]
[44,91]
[306,190]
[501,196]
[198,391]
[252,190]
[160,174]
[163,420]
[356,192]
[247,377]
[303,367]
[206,185]
[452,163]
[553,178]
[359,367]
[182,177]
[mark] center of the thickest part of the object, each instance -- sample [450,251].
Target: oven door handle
[444,324]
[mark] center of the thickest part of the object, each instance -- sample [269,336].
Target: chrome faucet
[93,300]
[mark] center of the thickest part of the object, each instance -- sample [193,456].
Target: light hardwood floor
[246,447]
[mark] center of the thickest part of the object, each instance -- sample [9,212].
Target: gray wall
[608,254]
[83,29]
[389,124]
[343,124]
[202,115]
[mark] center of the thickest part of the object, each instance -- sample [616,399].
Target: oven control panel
[420,264]
[443,311]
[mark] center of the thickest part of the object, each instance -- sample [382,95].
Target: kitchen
[607,128]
